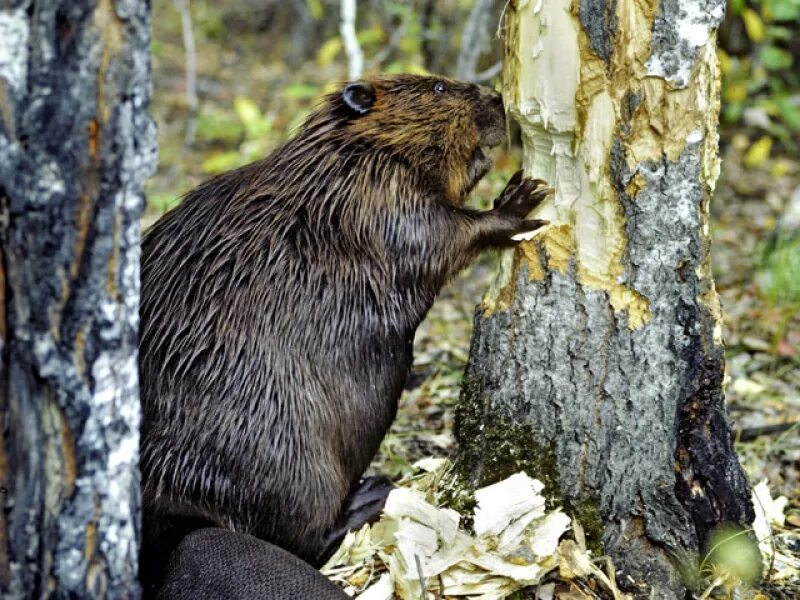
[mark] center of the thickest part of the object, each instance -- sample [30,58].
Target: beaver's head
[440,127]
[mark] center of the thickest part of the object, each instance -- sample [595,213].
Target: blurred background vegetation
[233,79]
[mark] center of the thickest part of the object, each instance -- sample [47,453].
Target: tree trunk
[76,145]
[597,362]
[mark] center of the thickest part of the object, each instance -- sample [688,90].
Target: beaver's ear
[359,97]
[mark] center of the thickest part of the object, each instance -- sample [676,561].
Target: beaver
[279,303]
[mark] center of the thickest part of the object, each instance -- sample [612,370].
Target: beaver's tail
[219,564]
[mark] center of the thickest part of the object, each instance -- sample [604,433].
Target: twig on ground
[748,434]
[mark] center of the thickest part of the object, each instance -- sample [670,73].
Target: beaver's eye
[440,87]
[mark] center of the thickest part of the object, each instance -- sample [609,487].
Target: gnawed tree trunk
[76,145]
[597,362]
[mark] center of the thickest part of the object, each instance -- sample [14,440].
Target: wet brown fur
[279,305]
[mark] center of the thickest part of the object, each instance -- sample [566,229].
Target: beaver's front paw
[521,196]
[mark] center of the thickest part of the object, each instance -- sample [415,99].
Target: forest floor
[248,105]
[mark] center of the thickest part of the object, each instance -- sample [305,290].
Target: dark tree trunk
[597,365]
[76,145]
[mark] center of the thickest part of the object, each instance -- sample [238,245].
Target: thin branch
[185,11]
[750,433]
[473,40]
[489,73]
[347,29]
[394,42]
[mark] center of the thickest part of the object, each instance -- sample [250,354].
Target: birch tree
[597,360]
[347,29]
[76,145]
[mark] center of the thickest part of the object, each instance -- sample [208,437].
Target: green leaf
[732,548]
[733,112]
[783,10]
[300,91]
[775,59]
[328,51]
[790,112]
[249,114]
[222,161]
[737,6]
[779,33]
[161,203]
[758,153]
[373,35]
[218,126]
[246,110]
[735,91]
[316,9]
[753,24]
[781,133]
[779,276]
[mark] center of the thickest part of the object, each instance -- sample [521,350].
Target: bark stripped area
[600,349]
[76,145]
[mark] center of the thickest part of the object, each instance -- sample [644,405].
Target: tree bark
[76,145]
[597,361]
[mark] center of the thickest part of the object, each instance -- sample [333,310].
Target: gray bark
[619,410]
[76,145]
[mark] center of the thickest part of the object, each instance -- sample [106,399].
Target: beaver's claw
[521,196]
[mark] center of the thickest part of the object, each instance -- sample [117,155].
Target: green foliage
[223,161]
[733,555]
[218,126]
[251,127]
[255,124]
[161,203]
[779,273]
[767,78]
[208,20]
[301,91]
[390,37]
[316,9]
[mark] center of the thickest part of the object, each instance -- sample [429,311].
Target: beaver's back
[266,386]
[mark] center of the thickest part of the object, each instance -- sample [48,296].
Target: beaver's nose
[491,98]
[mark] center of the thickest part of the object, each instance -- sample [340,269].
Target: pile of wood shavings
[418,550]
